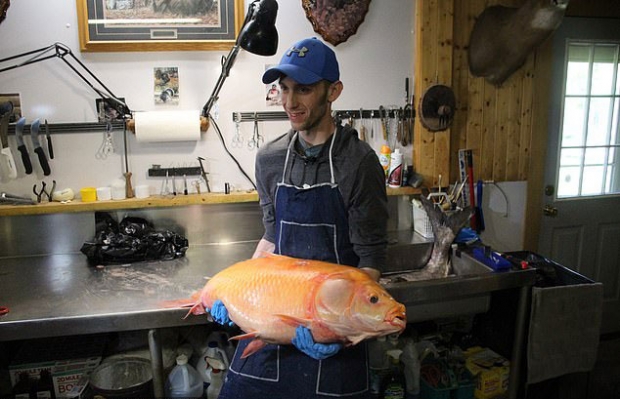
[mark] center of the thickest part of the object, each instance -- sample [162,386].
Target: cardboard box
[490,370]
[68,375]
[67,358]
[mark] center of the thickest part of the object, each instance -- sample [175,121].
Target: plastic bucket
[123,378]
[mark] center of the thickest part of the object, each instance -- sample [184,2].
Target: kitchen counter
[59,295]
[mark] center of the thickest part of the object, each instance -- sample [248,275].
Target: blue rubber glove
[304,342]
[219,313]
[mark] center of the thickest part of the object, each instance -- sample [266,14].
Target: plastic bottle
[213,357]
[379,363]
[184,381]
[217,379]
[395,388]
[23,388]
[384,159]
[216,356]
[45,385]
[396,169]
[406,172]
[411,362]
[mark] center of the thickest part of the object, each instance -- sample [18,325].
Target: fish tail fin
[438,217]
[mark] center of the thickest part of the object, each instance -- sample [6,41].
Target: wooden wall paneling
[525,117]
[424,155]
[431,150]
[460,81]
[475,94]
[513,136]
[445,32]
[484,157]
[502,123]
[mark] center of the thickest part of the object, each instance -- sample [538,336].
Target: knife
[6,110]
[34,134]
[21,147]
[50,149]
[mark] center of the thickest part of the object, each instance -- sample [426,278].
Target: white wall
[374,64]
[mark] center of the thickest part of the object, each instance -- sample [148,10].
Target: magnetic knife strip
[390,112]
[80,127]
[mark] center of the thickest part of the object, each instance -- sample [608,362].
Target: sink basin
[408,254]
[465,292]
[410,251]
[464,264]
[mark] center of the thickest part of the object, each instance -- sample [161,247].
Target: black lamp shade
[259,35]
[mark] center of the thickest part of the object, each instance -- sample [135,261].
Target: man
[322,192]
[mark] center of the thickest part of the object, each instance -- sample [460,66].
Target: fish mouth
[397,318]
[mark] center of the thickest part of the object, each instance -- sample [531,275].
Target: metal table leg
[519,342]
[157,364]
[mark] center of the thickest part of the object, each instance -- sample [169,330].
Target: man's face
[306,105]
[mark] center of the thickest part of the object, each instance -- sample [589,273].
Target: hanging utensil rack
[77,127]
[340,114]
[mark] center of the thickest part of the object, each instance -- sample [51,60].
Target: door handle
[549,210]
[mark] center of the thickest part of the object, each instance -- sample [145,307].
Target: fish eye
[374,299]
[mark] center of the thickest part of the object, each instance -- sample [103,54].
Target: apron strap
[331,162]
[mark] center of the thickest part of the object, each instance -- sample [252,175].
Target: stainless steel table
[59,295]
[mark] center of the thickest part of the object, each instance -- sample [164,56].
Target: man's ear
[334,90]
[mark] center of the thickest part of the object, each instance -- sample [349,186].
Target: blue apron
[311,223]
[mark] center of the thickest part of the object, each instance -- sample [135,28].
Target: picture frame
[158,25]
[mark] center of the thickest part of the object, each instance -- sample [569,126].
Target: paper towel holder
[204,124]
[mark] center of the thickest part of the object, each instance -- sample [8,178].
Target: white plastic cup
[104,193]
[143,191]
[118,191]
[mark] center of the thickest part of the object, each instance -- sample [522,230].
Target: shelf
[151,202]
[133,203]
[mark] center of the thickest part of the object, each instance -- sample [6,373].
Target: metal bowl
[121,378]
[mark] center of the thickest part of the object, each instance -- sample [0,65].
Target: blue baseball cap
[306,62]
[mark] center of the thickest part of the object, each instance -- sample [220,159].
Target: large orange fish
[269,297]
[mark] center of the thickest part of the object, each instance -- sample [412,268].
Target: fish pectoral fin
[294,321]
[359,338]
[197,309]
[253,347]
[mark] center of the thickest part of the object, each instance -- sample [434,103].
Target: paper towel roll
[160,126]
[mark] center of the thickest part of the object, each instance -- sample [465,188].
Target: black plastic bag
[132,240]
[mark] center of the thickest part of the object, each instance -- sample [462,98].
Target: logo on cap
[300,52]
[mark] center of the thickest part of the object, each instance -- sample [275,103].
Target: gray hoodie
[360,179]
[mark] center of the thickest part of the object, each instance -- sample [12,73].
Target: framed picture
[158,25]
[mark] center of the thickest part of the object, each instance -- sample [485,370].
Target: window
[589,143]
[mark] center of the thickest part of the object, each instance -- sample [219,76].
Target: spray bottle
[411,363]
